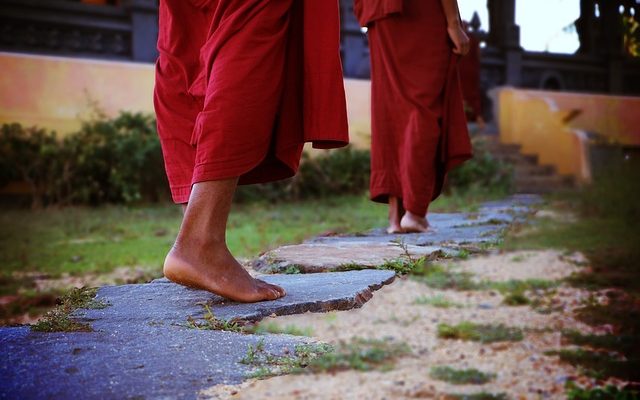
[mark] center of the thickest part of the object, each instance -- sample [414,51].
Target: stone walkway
[142,346]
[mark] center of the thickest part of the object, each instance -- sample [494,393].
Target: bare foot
[412,223]
[395,213]
[214,269]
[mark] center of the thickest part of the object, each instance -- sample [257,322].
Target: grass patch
[609,392]
[59,319]
[604,355]
[598,364]
[212,323]
[273,327]
[406,263]
[623,343]
[82,239]
[438,301]
[515,292]
[477,396]
[461,376]
[441,277]
[402,266]
[359,354]
[522,285]
[292,270]
[516,299]
[483,333]
[605,229]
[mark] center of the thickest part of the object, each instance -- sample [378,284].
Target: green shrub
[482,171]
[117,160]
[343,171]
[33,156]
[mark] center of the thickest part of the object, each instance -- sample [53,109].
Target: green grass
[598,364]
[79,240]
[609,392]
[477,396]
[359,354]
[606,230]
[211,322]
[516,299]
[480,332]
[275,328]
[438,301]
[461,376]
[59,319]
[443,277]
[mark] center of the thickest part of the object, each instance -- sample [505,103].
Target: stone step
[525,170]
[543,184]
[517,158]
[502,148]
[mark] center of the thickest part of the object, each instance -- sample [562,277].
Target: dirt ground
[522,369]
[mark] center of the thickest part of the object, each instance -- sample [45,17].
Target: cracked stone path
[141,347]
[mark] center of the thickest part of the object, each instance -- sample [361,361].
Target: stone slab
[337,255]
[138,362]
[450,233]
[142,349]
[167,303]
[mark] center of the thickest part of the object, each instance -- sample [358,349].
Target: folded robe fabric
[241,85]
[368,11]
[419,129]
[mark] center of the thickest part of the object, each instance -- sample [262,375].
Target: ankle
[198,245]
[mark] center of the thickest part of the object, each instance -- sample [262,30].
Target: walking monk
[419,130]
[241,85]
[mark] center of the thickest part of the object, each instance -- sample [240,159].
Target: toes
[272,294]
[275,291]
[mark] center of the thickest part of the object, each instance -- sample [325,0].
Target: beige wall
[58,93]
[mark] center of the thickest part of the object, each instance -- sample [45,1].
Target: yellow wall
[58,93]
[554,125]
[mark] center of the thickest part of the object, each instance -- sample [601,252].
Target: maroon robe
[241,85]
[419,130]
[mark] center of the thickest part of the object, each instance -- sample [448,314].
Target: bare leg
[395,213]
[200,257]
[412,223]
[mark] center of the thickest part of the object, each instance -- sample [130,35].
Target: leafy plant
[482,171]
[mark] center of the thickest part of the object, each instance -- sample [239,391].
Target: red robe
[241,85]
[470,79]
[419,130]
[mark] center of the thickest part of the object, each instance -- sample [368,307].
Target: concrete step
[543,184]
[502,148]
[524,170]
[517,158]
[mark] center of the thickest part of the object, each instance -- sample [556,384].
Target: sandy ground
[522,369]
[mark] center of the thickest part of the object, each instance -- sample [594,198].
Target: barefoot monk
[241,85]
[419,129]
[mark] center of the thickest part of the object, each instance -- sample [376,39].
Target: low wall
[558,127]
[58,93]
